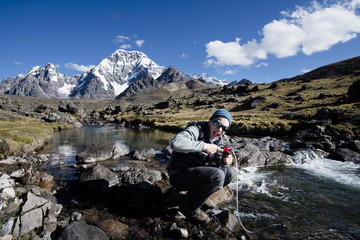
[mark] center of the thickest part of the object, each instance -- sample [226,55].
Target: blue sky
[260,40]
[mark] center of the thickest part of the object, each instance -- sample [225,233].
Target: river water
[68,143]
[314,197]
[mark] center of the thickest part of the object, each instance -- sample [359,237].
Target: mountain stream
[314,197]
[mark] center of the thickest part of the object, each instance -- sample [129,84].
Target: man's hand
[211,148]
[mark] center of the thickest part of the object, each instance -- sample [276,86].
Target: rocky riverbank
[131,201]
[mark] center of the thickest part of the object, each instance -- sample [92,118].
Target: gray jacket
[188,147]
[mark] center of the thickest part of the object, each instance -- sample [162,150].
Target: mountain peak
[116,73]
[50,66]
[112,76]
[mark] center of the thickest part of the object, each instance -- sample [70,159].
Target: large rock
[4,149]
[229,220]
[139,174]
[37,212]
[353,91]
[72,107]
[346,155]
[224,195]
[82,231]
[253,102]
[144,153]
[98,178]
[102,151]
[114,229]
[265,151]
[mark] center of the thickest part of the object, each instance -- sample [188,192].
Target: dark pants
[200,183]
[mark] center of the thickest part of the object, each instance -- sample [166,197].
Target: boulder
[43,108]
[82,231]
[62,106]
[144,153]
[345,155]
[72,107]
[37,212]
[139,174]
[98,177]
[265,151]
[114,229]
[178,233]
[101,151]
[8,194]
[355,146]
[52,117]
[224,195]
[335,115]
[6,181]
[4,148]
[253,102]
[229,220]
[353,91]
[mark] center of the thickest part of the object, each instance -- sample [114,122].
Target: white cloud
[231,53]
[121,39]
[305,70]
[229,72]
[139,43]
[124,46]
[126,41]
[17,63]
[308,30]
[183,55]
[263,64]
[77,67]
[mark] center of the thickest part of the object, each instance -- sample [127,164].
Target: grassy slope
[260,118]
[25,133]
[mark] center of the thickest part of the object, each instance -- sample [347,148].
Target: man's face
[216,129]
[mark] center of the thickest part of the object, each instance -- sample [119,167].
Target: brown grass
[22,133]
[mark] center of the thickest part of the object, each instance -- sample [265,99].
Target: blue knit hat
[222,113]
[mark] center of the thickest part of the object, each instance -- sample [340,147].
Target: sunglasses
[219,125]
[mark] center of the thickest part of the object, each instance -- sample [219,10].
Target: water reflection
[67,144]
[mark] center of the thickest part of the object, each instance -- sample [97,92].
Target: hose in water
[237,205]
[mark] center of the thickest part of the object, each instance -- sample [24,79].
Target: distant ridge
[329,71]
[111,77]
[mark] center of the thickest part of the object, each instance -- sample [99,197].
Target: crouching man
[190,168]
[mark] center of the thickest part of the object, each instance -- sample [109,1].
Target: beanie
[222,113]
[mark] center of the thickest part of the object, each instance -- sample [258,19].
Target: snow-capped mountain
[114,74]
[40,82]
[107,80]
[205,77]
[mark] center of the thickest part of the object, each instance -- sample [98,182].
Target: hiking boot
[197,215]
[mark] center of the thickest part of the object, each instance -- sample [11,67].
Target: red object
[226,151]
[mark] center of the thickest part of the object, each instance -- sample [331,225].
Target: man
[190,169]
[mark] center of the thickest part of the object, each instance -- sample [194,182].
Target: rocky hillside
[333,70]
[268,109]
